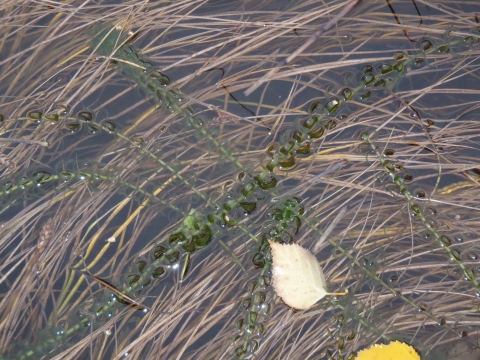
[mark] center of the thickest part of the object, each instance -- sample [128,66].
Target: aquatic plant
[130,150]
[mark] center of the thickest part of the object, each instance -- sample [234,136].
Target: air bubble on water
[60,79]
[473,256]
[422,306]
[346,38]
[419,194]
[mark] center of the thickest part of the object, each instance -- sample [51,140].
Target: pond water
[150,150]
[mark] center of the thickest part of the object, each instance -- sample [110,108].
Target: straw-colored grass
[103,193]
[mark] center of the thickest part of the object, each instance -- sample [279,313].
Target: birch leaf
[396,350]
[297,276]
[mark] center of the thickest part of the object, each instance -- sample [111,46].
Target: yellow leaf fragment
[396,350]
[297,276]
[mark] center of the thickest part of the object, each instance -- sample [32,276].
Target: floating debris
[297,276]
[121,296]
[396,350]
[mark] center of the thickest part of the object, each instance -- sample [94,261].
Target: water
[133,151]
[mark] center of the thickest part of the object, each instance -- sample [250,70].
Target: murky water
[130,150]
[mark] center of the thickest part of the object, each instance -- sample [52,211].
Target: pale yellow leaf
[297,276]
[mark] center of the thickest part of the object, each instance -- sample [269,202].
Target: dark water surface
[129,148]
